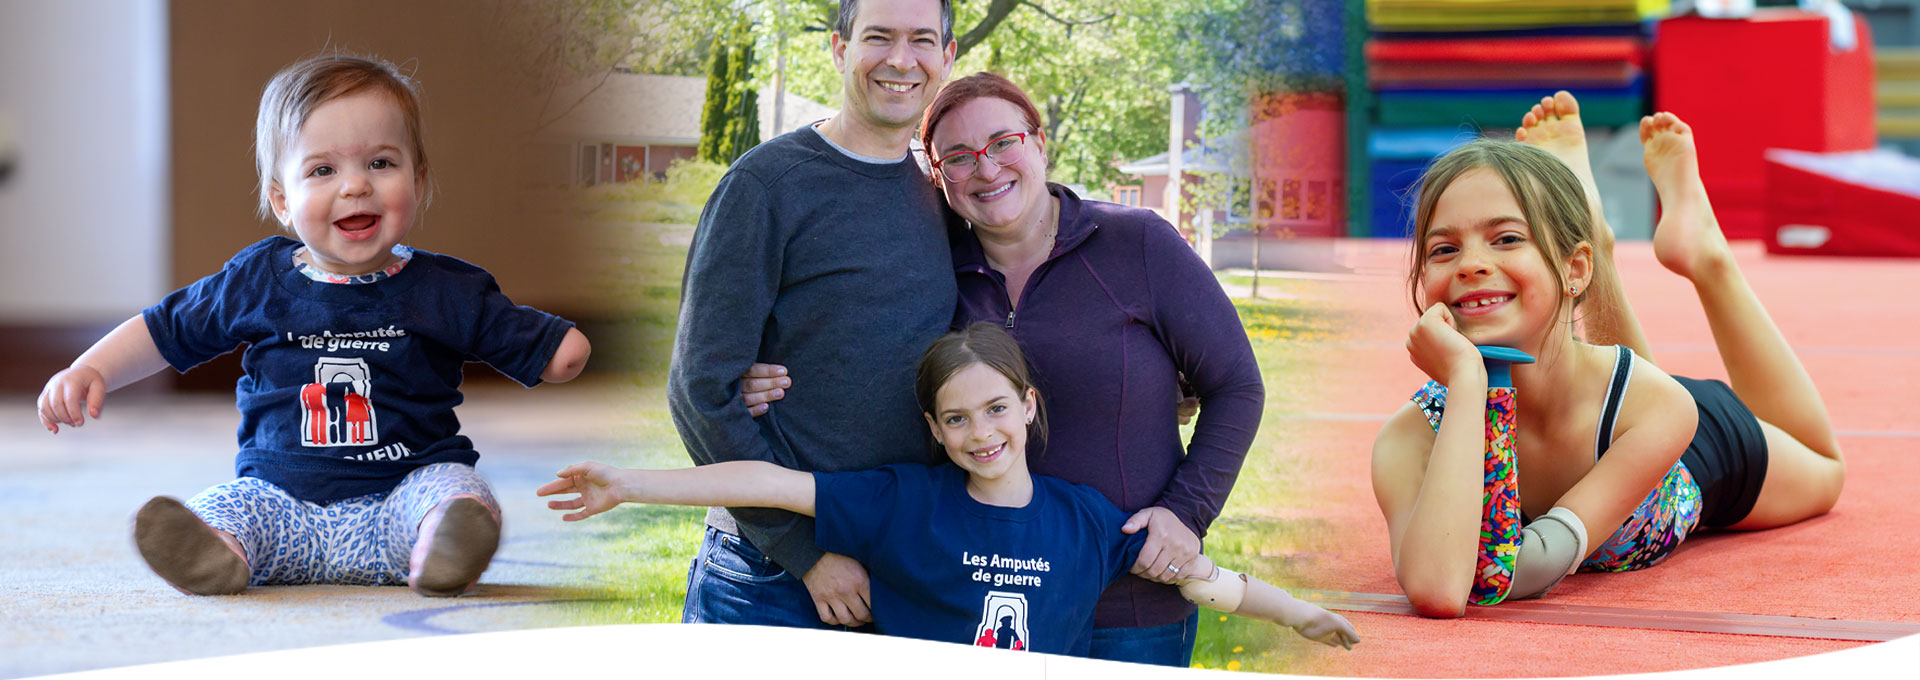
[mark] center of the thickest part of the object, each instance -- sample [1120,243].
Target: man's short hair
[843,24]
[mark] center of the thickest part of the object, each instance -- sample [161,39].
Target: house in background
[1296,155]
[635,125]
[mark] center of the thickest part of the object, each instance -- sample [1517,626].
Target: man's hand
[1170,548]
[71,396]
[762,385]
[840,590]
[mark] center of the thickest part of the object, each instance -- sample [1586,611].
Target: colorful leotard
[1728,452]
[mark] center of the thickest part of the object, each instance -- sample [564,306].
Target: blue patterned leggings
[362,541]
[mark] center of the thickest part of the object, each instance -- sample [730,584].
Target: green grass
[644,551]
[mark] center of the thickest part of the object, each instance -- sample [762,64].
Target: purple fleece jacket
[1119,309]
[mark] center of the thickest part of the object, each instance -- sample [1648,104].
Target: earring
[1573,291]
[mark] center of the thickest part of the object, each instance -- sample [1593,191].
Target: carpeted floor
[76,596]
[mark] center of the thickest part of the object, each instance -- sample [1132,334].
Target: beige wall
[82,112]
[477,128]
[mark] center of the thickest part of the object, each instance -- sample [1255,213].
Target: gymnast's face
[981,420]
[1482,263]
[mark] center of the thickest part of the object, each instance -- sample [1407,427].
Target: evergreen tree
[743,105]
[714,112]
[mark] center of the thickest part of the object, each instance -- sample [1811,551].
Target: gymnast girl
[1618,462]
[977,552]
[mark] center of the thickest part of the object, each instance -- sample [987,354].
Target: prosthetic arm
[1550,549]
[1500,514]
[1235,593]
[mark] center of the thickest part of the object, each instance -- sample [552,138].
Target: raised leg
[1805,469]
[1554,126]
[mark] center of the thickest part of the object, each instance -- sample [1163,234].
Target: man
[823,250]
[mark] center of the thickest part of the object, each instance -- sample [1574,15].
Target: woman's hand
[1438,348]
[762,385]
[597,483]
[1170,547]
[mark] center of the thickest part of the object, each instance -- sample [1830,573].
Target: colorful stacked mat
[1491,81]
[1482,15]
[1440,68]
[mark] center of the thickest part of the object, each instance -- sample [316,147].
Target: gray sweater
[836,268]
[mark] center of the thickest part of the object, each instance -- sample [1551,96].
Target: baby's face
[348,186]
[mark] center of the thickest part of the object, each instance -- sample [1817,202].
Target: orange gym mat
[1834,582]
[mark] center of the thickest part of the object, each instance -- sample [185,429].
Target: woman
[1112,308]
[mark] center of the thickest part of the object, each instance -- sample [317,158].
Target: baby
[352,469]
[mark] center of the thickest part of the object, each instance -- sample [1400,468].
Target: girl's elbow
[1434,607]
[1434,600]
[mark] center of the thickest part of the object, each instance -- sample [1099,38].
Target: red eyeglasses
[1002,152]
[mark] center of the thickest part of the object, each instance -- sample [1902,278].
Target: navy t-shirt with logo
[946,567]
[349,387]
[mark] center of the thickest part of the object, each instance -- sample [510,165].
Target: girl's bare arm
[743,483]
[1657,420]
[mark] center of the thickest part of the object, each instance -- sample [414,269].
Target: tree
[743,100]
[714,112]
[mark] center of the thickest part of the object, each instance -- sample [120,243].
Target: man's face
[893,63]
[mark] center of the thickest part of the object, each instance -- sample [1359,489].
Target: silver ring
[1174,568]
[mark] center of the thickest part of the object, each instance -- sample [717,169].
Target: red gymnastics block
[1862,203]
[1770,81]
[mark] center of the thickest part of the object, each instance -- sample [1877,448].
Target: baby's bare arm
[569,359]
[123,357]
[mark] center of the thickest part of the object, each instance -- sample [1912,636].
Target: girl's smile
[981,421]
[1482,263]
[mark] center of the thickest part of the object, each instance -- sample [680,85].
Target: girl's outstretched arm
[741,483]
[1244,595]
[123,357]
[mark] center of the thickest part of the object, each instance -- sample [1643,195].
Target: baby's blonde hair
[294,92]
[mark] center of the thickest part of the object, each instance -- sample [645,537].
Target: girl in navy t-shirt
[977,552]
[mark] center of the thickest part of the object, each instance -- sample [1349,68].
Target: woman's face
[994,197]
[1482,263]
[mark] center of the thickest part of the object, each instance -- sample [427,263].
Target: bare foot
[457,541]
[1554,126]
[1688,240]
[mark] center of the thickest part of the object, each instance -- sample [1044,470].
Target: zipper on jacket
[1009,318]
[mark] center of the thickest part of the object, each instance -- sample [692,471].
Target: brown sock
[460,545]
[186,552]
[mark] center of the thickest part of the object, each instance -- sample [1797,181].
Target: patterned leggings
[362,541]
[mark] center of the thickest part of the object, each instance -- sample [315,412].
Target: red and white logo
[337,407]
[1003,622]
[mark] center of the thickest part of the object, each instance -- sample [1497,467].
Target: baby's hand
[597,484]
[70,396]
[1324,627]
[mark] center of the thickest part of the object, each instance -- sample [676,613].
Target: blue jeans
[1168,645]
[732,582]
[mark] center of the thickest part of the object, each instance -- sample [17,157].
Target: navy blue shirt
[946,567]
[349,387]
